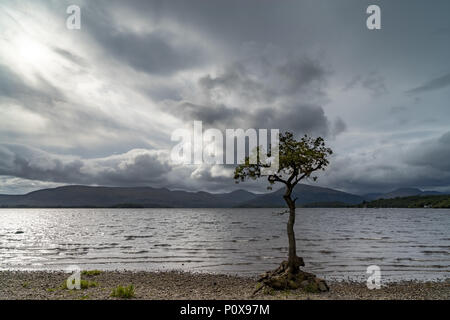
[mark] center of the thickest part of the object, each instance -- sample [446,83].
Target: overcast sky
[97,106]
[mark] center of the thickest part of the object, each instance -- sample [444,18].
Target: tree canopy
[298,159]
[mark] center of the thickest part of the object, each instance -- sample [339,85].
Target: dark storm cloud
[434,84]
[275,89]
[301,119]
[24,162]
[150,53]
[388,178]
[219,115]
[231,20]
[339,126]
[422,164]
[265,79]
[156,51]
[235,64]
[302,74]
[238,79]
[136,167]
[434,154]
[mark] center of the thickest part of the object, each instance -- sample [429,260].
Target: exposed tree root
[284,278]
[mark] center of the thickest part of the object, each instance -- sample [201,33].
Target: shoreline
[176,285]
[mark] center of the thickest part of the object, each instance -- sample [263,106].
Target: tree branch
[274,177]
[308,173]
[298,179]
[294,174]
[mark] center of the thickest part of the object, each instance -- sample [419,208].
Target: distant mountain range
[306,194]
[84,196]
[147,197]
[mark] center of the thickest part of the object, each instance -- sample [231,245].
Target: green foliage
[298,159]
[312,288]
[269,291]
[91,272]
[84,284]
[258,285]
[432,201]
[123,292]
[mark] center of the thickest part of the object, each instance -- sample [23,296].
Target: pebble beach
[46,285]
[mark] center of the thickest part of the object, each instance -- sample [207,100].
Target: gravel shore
[197,286]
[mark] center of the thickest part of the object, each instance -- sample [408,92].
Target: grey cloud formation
[434,84]
[24,162]
[433,154]
[135,167]
[217,115]
[61,112]
[71,56]
[138,167]
[14,185]
[301,119]
[423,164]
[157,51]
[302,74]
[24,169]
[13,87]
[236,79]
[151,53]
[372,81]
[265,79]
[263,94]
[98,105]
[339,126]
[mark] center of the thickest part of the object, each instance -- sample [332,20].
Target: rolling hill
[399,193]
[86,196]
[306,194]
[147,197]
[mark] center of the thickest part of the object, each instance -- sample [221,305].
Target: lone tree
[298,160]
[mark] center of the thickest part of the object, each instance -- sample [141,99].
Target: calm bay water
[335,243]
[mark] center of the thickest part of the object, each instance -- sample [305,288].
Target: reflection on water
[335,243]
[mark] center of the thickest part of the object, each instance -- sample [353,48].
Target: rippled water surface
[335,243]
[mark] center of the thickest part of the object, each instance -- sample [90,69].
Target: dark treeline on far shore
[432,201]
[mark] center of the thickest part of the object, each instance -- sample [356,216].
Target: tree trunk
[288,275]
[293,263]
